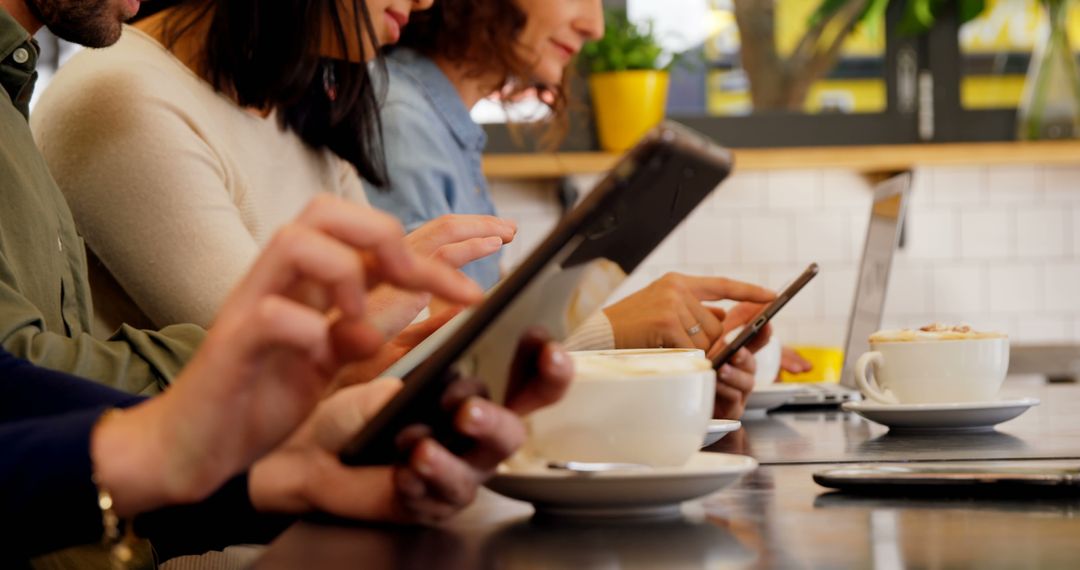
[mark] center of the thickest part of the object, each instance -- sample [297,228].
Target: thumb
[342,415]
[741,314]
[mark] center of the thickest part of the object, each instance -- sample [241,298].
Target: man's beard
[91,23]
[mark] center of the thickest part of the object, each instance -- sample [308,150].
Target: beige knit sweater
[174,187]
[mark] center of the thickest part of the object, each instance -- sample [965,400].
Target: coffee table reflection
[552,543]
[499,533]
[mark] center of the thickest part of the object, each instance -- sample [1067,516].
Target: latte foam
[612,364]
[936,331]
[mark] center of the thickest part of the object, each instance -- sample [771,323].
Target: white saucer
[968,416]
[718,429]
[633,493]
[771,396]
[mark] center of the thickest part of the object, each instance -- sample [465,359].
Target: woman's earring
[329,81]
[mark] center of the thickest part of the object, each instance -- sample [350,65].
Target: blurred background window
[774,55]
[761,73]
[996,48]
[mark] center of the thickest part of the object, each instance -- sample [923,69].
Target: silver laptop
[882,239]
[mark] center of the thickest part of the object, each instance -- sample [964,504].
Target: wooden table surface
[775,517]
[1050,430]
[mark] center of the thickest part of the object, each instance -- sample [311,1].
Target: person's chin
[91,36]
[551,76]
[110,36]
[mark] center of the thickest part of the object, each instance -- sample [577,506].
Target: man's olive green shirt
[45,307]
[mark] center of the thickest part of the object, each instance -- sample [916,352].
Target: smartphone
[564,279]
[886,478]
[765,316]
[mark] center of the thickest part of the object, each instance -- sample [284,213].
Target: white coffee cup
[933,368]
[649,406]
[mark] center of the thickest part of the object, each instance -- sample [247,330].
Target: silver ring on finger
[694,329]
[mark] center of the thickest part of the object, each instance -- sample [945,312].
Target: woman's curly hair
[482,36]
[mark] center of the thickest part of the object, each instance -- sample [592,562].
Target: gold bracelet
[120,545]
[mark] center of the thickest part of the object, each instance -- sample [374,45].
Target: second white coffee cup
[632,406]
[934,371]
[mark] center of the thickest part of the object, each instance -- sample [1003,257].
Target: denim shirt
[433,152]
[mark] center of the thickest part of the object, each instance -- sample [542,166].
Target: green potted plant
[628,81]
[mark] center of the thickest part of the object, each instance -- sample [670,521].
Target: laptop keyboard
[819,394]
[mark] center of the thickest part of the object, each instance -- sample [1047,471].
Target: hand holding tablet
[648,193]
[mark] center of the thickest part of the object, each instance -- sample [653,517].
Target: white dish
[718,429]
[771,396]
[621,493]
[967,416]
[657,405]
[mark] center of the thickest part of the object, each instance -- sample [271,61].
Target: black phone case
[764,317]
[950,480]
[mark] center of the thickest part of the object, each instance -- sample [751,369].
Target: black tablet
[954,478]
[564,280]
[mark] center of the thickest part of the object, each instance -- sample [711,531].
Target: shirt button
[21,55]
[59,244]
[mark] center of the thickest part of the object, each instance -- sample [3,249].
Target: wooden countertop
[864,159]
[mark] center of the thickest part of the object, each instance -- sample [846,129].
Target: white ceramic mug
[931,371]
[634,406]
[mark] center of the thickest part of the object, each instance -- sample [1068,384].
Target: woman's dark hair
[483,36]
[264,53]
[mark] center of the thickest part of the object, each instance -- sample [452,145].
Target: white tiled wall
[997,247]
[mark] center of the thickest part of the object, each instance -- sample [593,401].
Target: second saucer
[966,416]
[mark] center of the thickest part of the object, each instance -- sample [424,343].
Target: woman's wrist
[135,461]
[125,462]
[303,480]
[278,483]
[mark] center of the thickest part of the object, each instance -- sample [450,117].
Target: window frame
[932,61]
[952,121]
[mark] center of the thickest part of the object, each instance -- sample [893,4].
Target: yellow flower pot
[626,105]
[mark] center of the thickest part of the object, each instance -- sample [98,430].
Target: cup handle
[869,387]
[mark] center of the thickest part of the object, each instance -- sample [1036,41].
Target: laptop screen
[882,238]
